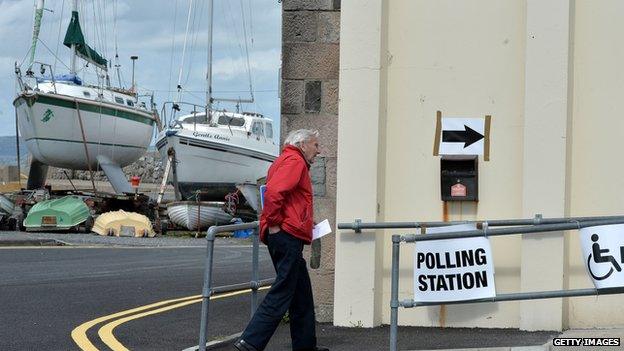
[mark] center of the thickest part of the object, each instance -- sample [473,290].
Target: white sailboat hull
[49,123]
[197,215]
[213,166]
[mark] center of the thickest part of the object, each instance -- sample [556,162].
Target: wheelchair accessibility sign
[603,254]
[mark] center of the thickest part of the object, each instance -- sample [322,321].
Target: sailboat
[214,149]
[69,124]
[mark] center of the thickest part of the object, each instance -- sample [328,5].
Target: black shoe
[242,345]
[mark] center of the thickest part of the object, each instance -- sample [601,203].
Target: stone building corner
[309,99]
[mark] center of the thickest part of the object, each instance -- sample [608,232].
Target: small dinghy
[122,223]
[66,213]
[195,215]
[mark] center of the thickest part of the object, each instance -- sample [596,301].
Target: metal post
[163,184]
[133,58]
[19,166]
[174,173]
[209,61]
[254,271]
[394,294]
[84,142]
[206,291]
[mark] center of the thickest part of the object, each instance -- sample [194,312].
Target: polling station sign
[453,269]
[603,254]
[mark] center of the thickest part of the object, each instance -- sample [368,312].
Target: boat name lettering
[210,135]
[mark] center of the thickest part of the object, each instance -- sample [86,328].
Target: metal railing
[30,75]
[208,290]
[516,226]
[358,225]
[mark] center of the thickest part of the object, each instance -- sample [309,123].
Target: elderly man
[285,226]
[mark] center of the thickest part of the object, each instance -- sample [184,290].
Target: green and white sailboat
[68,124]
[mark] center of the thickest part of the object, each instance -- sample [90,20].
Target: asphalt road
[45,293]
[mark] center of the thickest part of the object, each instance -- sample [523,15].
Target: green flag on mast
[36,28]
[74,36]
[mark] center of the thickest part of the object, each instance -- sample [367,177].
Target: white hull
[191,214]
[50,125]
[214,165]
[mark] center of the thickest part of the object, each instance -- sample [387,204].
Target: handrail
[207,290]
[358,225]
[540,228]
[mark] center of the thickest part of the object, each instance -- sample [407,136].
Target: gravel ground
[14,238]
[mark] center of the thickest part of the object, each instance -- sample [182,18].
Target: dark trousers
[291,292]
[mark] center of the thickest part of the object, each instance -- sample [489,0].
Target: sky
[155,31]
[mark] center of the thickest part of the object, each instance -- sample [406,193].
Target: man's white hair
[297,137]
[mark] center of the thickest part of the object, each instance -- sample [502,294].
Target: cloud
[233,68]
[14,13]
[7,62]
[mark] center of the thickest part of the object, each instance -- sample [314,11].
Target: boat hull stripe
[222,147]
[88,142]
[94,107]
[226,148]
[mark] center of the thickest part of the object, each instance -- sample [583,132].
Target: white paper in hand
[321,229]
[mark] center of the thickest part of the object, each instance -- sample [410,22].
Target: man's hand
[274,229]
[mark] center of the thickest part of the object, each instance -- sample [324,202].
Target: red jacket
[288,196]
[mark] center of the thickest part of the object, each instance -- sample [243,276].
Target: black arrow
[468,136]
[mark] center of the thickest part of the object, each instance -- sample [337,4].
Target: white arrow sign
[462,136]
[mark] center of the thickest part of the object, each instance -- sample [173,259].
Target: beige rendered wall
[465,59]
[360,169]
[548,72]
[597,185]
[435,55]
[547,113]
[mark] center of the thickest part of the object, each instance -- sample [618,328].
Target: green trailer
[66,213]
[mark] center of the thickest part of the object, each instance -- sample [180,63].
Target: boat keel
[115,175]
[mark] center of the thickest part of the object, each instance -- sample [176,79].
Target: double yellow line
[79,334]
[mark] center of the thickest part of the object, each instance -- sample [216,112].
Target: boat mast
[117,65]
[209,63]
[36,28]
[73,46]
[188,23]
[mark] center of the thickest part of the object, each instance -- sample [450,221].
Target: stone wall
[309,93]
[149,167]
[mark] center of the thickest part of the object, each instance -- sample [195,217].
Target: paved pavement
[464,339]
[410,338]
